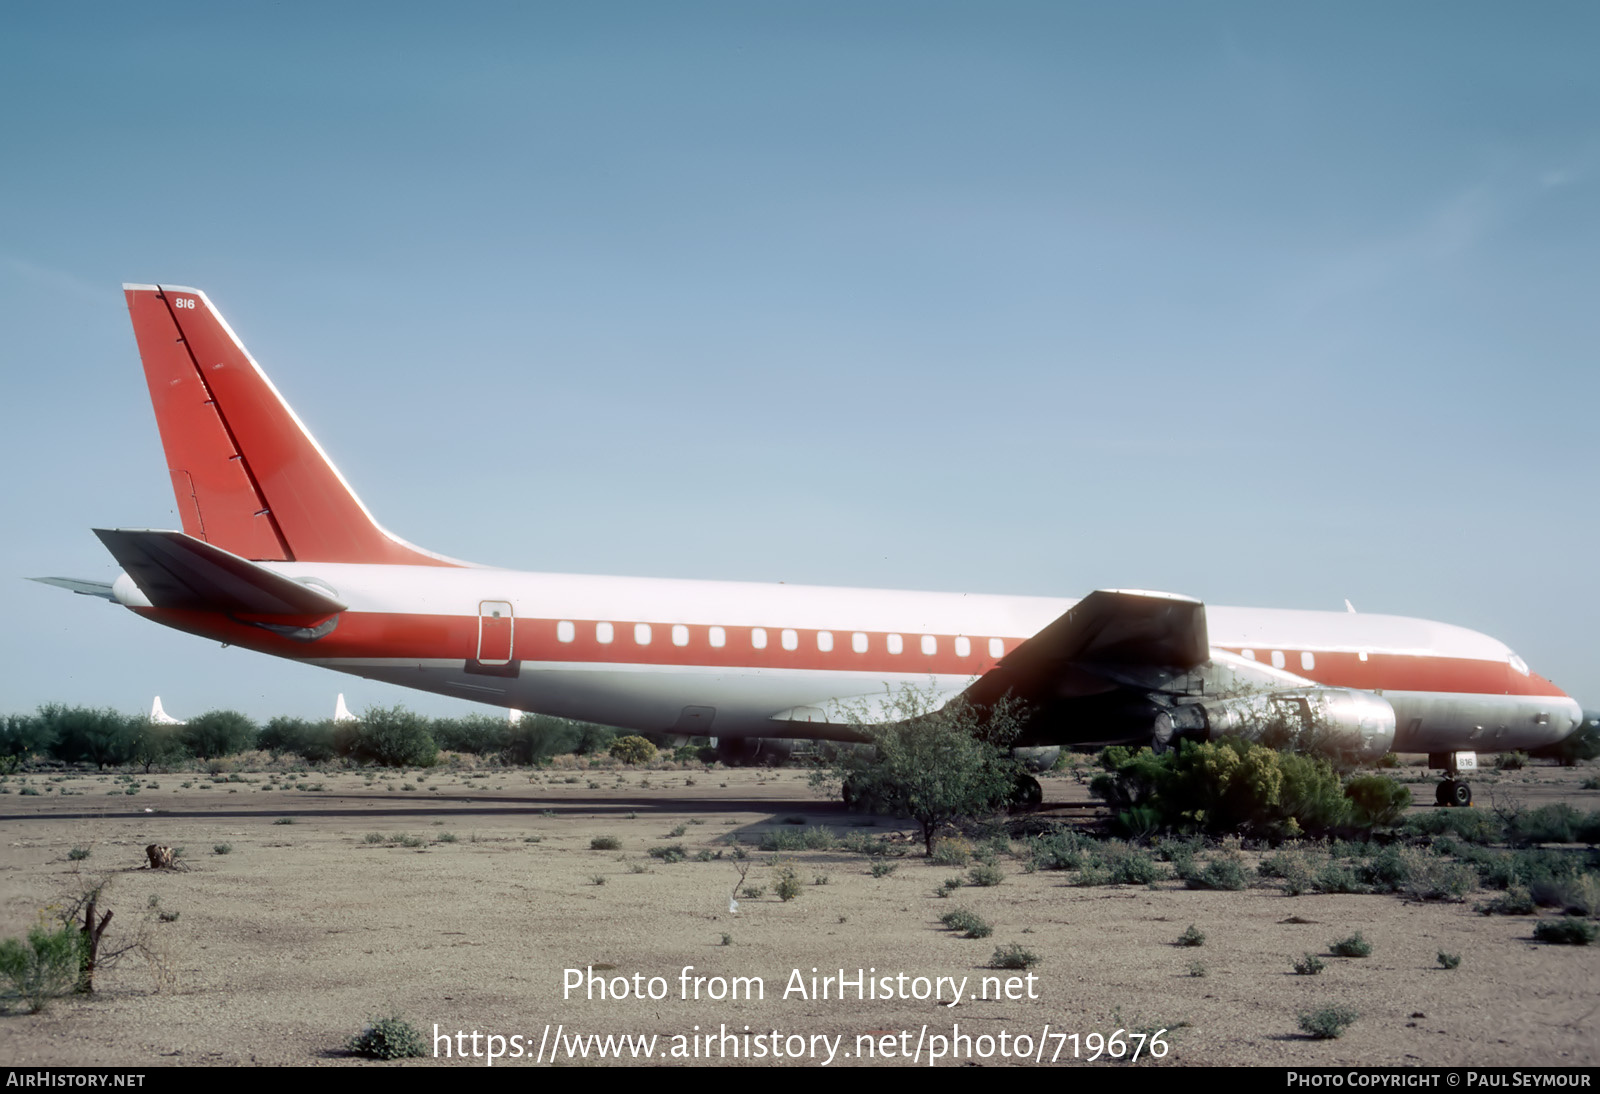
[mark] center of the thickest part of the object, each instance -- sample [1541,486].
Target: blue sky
[1268,304]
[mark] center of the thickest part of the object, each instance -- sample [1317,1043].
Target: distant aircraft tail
[248,476]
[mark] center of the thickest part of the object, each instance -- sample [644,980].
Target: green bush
[1327,1023]
[986,874]
[786,883]
[605,843]
[969,923]
[633,749]
[1449,960]
[951,852]
[389,736]
[1376,801]
[1013,956]
[1354,946]
[388,1039]
[1564,932]
[1309,965]
[48,965]
[1516,901]
[1224,872]
[1194,936]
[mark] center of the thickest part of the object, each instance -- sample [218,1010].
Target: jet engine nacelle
[1352,723]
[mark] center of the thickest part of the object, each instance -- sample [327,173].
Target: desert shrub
[936,762]
[1449,960]
[815,838]
[388,1039]
[1197,969]
[1515,901]
[1337,877]
[389,736]
[1013,956]
[967,922]
[47,965]
[672,852]
[222,849]
[951,852]
[1223,872]
[1554,823]
[1564,932]
[1061,850]
[1229,785]
[785,881]
[883,868]
[1376,801]
[85,735]
[1511,761]
[311,741]
[605,843]
[1354,946]
[1326,1023]
[633,749]
[78,854]
[1309,965]
[1573,894]
[217,733]
[1471,825]
[1194,936]
[985,874]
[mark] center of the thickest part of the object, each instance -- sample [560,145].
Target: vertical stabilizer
[341,713]
[247,476]
[160,717]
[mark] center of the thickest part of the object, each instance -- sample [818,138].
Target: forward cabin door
[495,632]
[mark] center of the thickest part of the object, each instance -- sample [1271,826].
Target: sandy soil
[279,950]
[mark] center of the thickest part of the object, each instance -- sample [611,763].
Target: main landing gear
[1454,792]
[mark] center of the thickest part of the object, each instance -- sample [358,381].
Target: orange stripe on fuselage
[395,636]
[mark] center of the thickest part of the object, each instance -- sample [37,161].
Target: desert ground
[458,898]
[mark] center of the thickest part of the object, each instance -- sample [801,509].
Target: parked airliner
[278,555]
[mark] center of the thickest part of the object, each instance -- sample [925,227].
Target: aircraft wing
[1103,640]
[174,570]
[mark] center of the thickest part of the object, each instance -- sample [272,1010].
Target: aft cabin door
[495,626]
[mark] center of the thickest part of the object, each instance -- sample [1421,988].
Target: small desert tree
[935,763]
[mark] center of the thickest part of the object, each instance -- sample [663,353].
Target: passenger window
[680,635]
[930,645]
[1248,655]
[895,643]
[604,633]
[1278,660]
[825,641]
[858,642]
[963,647]
[565,631]
[641,633]
[791,640]
[718,636]
[758,637]
[1308,661]
[997,647]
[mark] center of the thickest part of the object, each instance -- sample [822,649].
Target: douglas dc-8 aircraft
[278,555]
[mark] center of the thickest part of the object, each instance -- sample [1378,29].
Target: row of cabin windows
[1308,660]
[606,633]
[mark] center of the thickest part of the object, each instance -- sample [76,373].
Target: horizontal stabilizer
[78,585]
[174,570]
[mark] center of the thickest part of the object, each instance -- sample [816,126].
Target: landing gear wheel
[1027,795]
[1460,794]
[1441,793]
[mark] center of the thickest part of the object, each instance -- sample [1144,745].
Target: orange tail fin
[247,475]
